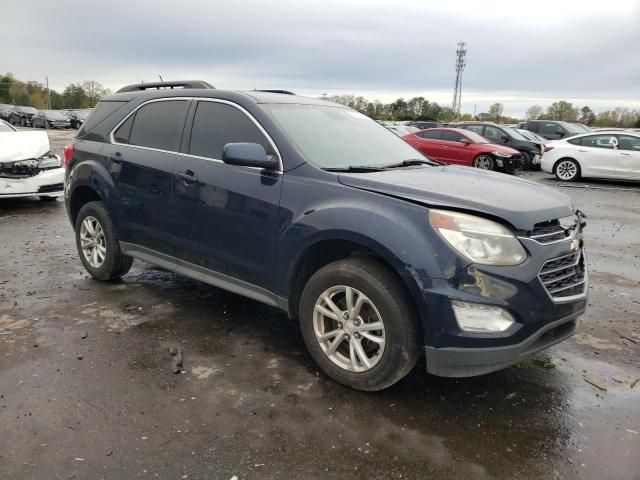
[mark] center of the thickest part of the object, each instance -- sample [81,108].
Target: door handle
[583,151]
[187,177]
[116,157]
[622,153]
[445,146]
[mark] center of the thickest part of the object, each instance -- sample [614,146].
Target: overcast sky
[519,53]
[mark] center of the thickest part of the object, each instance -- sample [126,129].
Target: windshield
[54,115]
[336,137]
[4,127]
[516,134]
[474,137]
[571,128]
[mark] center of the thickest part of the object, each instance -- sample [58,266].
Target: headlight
[480,240]
[498,153]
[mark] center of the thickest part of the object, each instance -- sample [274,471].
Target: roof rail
[284,92]
[139,87]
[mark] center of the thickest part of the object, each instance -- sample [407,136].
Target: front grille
[564,276]
[548,232]
[56,187]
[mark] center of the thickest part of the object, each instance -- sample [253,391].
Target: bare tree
[94,91]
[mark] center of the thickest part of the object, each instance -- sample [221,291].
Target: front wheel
[484,162]
[98,244]
[359,324]
[567,170]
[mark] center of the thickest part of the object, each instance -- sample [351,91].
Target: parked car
[78,117]
[464,147]
[309,206]
[6,127]
[553,129]
[583,127]
[27,165]
[423,125]
[530,151]
[614,155]
[22,116]
[50,119]
[5,111]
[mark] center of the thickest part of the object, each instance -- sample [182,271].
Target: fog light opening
[479,318]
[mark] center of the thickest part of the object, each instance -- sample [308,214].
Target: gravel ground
[87,389]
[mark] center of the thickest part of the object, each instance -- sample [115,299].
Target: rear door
[453,150]
[629,153]
[428,142]
[145,147]
[229,214]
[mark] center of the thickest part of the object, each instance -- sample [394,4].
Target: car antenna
[161,78]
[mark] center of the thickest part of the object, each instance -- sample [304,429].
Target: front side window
[216,124]
[627,142]
[156,125]
[599,141]
[493,133]
[451,136]
[551,129]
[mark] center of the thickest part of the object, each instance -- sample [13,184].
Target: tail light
[548,149]
[68,151]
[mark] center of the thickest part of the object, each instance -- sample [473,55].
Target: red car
[464,147]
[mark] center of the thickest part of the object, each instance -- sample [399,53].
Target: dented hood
[16,146]
[520,202]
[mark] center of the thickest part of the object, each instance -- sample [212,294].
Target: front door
[629,153]
[600,157]
[141,160]
[453,150]
[229,214]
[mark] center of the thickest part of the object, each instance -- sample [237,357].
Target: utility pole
[461,62]
[48,94]
[324,96]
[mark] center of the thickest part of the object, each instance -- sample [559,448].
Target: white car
[27,166]
[613,155]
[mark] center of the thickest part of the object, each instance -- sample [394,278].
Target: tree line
[421,109]
[35,94]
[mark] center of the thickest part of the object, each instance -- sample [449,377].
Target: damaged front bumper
[43,176]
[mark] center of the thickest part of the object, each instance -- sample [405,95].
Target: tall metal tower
[461,61]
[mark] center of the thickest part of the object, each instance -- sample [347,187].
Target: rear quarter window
[99,114]
[158,125]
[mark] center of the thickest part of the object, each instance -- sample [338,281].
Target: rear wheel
[567,170]
[97,243]
[484,162]
[359,325]
[527,163]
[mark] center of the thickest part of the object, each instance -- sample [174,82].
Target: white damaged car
[27,166]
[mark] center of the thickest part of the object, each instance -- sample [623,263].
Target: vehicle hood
[492,147]
[519,202]
[16,146]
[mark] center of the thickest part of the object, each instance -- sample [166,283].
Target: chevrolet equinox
[380,253]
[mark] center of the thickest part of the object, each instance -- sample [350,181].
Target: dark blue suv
[380,253]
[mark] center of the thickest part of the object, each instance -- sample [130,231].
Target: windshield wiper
[413,161]
[355,169]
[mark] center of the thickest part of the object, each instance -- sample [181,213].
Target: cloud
[549,50]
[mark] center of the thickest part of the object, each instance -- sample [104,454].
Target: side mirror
[505,138]
[248,155]
[465,142]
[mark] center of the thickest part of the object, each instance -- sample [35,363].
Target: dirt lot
[87,391]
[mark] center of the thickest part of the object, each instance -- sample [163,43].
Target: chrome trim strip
[213,100]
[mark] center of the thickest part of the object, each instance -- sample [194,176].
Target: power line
[461,62]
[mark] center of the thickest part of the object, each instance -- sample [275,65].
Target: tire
[527,161]
[385,301]
[484,162]
[114,264]
[567,170]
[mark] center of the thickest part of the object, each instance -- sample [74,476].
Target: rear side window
[474,128]
[551,128]
[101,112]
[533,126]
[430,134]
[156,125]
[576,141]
[216,124]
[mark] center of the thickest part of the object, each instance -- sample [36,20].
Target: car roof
[256,96]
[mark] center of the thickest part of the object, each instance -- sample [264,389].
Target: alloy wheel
[349,328]
[93,242]
[482,162]
[566,170]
